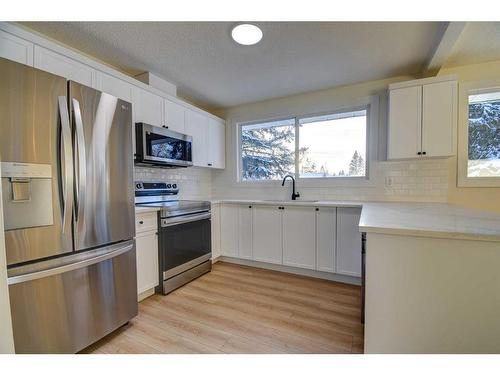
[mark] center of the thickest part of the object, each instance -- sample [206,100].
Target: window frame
[467,89]
[317,181]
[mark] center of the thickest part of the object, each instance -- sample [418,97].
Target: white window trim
[466,89]
[371,104]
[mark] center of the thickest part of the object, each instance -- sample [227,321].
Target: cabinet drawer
[146,222]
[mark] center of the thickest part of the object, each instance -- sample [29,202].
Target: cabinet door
[348,256]
[439,118]
[245,231]
[147,107]
[175,116]
[197,127]
[215,227]
[114,86]
[147,261]
[229,230]
[63,66]
[405,125]
[16,49]
[216,144]
[267,234]
[299,237]
[326,234]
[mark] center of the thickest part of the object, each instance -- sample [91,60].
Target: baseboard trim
[147,293]
[297,271]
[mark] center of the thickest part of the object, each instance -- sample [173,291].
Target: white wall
[416,180]
[6,337]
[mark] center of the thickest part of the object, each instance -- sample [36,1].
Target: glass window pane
[333,145]
[484,135]
[268,150]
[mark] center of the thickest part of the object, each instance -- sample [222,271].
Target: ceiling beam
[444,46]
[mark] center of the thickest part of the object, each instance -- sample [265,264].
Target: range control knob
[138,186]
[174,186]
[169,186]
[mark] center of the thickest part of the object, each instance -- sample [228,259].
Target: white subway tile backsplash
[193,182]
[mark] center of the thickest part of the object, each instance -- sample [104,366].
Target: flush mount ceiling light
[246,34]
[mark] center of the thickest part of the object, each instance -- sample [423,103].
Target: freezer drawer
[77,301]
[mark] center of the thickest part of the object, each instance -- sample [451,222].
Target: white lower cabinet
[245,229]
[325,239]
[146,250]
[326,234]
[216,230]
[147,261]
[229,230]
[348,254]
[299,237]
[267,234]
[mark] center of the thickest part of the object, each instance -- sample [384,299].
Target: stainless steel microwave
[162,147]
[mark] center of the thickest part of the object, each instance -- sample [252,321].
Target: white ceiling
[212,70]
[479,42]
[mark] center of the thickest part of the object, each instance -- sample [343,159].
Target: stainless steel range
[184,243]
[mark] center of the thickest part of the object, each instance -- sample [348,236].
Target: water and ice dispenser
[27,195]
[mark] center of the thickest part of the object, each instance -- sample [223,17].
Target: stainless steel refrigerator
[68,198]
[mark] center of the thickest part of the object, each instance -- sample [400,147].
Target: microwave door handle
[66,162]
[81,162]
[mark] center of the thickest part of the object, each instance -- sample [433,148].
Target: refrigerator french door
[67,192]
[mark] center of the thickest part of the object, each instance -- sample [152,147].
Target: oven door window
[182,243]
[164,147]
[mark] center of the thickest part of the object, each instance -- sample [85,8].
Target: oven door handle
[184,219]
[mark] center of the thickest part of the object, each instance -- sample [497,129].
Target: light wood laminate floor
[238,309]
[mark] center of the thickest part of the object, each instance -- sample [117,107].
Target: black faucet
[295,195]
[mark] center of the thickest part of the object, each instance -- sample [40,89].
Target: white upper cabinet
[216,144]
[147,107]
[113,86]
[299,236]
[326,231]
[348,254]
[439,118]
[422,119]
[267,234]
[197,127]
[175,116]
[63,66]
[405,122]
[16,49]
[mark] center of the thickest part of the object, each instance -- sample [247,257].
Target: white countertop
[306,203]
[437,220]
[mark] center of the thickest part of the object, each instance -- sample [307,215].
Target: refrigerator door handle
[66,160]
[81,162]
[114,251]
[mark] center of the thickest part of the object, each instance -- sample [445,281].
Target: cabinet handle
[165,126]
[209,164]
[141,222]
[249,206]
[317,209]
[156,233]
[419,153]
[424,153]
